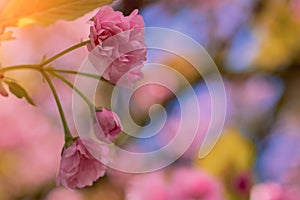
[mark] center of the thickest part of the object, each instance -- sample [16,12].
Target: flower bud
[107,125]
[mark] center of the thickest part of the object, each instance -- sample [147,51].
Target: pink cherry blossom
[78,167]
[107,126]
[118,43]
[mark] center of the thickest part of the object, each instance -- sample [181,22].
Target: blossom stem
[19,67]
[68,137]
[88,102]
[77,73]
[94,76]
[40,67]
[76,46]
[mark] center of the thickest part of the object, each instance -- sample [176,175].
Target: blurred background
[255,45]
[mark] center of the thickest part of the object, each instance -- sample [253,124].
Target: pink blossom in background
[266,191]
[295,7]
[274,191]
[107,126]
[148,187]
[21,124]
[78,167]
[189,184]
[181,183]
[32,143]
[118,43]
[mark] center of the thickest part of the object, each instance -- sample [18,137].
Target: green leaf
[19,91]
[26,12]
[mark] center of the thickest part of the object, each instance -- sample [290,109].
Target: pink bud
[107,126]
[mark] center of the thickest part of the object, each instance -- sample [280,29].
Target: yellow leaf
[25,22]
[232,152]
[278,32]
[232,156]
[27,12]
